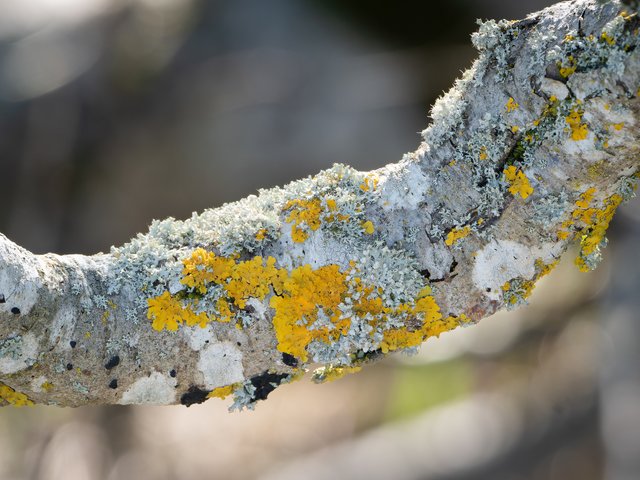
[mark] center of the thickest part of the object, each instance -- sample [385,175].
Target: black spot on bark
[173,373]
[15,311]
[193,395]
[73,343]
[113,383]
[2,300]
[454,264]
[289,360]
[266,383]
[113,362]
[69,366]
[425,273]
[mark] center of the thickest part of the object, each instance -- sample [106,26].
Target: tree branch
[532,149]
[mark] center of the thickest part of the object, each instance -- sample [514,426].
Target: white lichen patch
[554,88]
[37,384]
[502,260]
[197,337]
[18,352]
[403,186]
[220,365]
[156,389]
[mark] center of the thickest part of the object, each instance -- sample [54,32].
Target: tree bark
[532,149]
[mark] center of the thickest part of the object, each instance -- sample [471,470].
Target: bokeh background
[115,112]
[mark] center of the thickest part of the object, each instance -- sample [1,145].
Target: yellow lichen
[595,222]
[46,386]
[307,215]
[515,129]
[518,182]
[222,392]
[483,153]
[608,38]
[568,70]
[369,184]
[167,312]
[303,214]
[252,278]
[204,267]
[261,234]
[306,302]
[368,227]
[425,309]
[596,228]
[305,293]
[579,130]
[457,234]
[511,105]
[13,397]
[330,373]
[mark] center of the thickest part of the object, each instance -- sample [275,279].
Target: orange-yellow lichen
[204,267]
[368,227]
[483,153]
[303,214]
[307,215]
[369,184]
[457,234]
[595,230]
[306,292]
[222,392]
[608,38]
[595,222]
[252,278]
[261,234]
[579,130]
[569,69]
[306,302]
[426,310]
[167,312]
[518,182]
[12,397]
[46,386]
[331,373]
[511,105]
[518,289]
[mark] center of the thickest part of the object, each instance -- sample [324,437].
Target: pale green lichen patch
[606,49]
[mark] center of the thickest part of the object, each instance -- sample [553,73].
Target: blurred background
[115,112]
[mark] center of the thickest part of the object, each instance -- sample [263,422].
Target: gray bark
[531,150]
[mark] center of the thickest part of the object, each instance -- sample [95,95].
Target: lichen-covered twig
[533,149]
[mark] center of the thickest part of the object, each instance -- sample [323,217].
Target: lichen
[457,234]
[13,397]
[592,224]
[223,392]
[518,182]
[329,373]
[516,291]
[577,127]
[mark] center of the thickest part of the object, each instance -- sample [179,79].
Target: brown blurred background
[115,112]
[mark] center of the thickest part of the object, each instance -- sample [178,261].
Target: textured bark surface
[532,150]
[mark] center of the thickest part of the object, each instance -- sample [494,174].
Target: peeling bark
[531,150]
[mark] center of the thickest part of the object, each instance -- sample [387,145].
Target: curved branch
[533,148]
